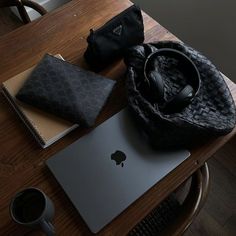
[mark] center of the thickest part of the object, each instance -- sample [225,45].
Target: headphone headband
[188,65]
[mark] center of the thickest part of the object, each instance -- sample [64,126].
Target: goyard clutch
[66,90]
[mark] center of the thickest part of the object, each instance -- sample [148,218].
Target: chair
[9,21]
[21,4]
[172,218]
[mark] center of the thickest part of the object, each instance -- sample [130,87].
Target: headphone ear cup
[181,100]
[156,85]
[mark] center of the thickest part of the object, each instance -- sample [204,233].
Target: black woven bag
[211,112]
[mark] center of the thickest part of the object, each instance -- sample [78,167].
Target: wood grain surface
[22,161]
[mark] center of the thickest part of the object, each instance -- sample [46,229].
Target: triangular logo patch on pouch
[118,30]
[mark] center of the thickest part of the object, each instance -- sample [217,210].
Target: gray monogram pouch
[66,90]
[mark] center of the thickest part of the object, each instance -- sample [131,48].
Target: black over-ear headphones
[156,83]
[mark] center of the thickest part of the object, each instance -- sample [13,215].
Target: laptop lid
[108,169]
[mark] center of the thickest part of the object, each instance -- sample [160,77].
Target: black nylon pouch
[111,40]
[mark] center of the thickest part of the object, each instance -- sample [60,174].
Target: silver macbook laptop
[108,169]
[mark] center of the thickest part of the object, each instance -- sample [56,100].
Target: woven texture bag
[210,114]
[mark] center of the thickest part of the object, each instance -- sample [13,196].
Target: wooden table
[22,161]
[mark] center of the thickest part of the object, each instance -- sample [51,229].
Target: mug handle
[47,228]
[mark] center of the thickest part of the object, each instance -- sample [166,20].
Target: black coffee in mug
[28,206]
[31,207]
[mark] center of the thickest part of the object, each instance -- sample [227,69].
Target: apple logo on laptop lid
[119,157]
